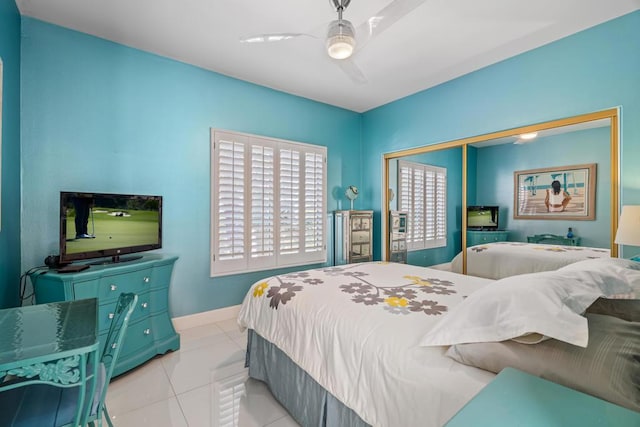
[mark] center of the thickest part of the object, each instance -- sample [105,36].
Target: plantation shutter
[422,194]
[440,195]
[230,204]
[289,202]
[262,205]
[314,239]
[268,203]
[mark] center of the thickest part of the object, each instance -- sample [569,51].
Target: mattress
[355,330]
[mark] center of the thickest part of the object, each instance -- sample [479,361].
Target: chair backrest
[124,307]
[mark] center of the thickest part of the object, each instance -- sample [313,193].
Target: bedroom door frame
[612,114]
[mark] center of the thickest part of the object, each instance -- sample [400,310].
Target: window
[268,203]
[423,195]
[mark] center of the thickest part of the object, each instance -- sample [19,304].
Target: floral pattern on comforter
[403,298]
[356,329]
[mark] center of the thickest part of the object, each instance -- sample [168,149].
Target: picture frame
[565,192]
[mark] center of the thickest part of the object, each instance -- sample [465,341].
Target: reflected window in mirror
[422,194]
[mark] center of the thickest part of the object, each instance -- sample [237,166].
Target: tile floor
[179,389]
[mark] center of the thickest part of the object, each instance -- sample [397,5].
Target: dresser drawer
[137,337]
[491,238]
[105,311]
[480,237]
[111,287]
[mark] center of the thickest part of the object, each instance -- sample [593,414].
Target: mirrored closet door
[483,172]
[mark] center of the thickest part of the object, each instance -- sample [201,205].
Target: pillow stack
[597,353]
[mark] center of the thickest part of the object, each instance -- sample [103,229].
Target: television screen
[94,225]
[482,217]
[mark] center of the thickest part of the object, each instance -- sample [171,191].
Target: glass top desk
[50,343]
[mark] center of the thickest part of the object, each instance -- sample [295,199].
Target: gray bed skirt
[306,400]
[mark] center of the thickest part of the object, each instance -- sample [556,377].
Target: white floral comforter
[355,329]
[505,259]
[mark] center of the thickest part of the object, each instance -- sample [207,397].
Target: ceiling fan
[342,38]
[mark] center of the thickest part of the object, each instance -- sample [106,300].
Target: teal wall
[10,182]
[494,182]
[98,116]
[593,70]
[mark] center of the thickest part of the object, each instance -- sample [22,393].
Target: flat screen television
[482,217]
[99,225]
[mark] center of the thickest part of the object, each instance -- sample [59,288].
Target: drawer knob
[111,315]
[146,279]
[113,287]
[144,305]
[147,331]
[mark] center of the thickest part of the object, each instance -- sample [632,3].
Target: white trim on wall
[206,317]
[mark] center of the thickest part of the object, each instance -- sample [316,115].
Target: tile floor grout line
[164,369]
[184,414]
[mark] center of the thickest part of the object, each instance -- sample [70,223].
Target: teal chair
[46,405]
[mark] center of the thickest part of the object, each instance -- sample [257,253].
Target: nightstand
[553,239]
[515,398]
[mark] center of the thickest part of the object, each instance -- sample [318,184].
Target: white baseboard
[206,317]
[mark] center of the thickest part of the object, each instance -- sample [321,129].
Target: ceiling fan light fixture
[341,39]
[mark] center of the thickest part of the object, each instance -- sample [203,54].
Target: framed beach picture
[566,192]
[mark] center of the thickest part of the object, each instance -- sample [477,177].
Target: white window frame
[426,210]
[290,240]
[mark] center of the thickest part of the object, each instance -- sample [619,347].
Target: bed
[503,259]
[349,345]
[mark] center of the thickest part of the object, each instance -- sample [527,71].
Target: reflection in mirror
[1,81]
[427,187]
[491,167]
[481,171]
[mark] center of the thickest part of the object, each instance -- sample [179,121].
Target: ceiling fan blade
[273,37]
[384,19]
[352,70]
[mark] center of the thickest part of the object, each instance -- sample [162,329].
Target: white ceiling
[438,41]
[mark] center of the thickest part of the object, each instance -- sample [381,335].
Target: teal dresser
[515,398]
[150,330]
[481,237]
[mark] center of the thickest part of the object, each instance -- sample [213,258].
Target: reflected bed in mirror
[504,259]
[486,165]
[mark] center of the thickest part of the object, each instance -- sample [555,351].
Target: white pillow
[548,303]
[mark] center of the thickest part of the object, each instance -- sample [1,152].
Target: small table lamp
[629,228]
